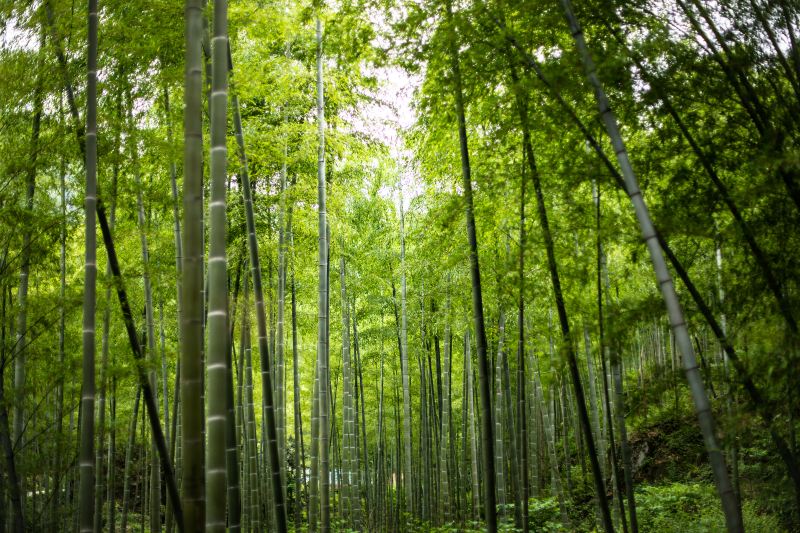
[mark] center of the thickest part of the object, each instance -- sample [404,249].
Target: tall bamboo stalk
[522,415]
[348,416]
[128,457]
[101,403]
[179,292]
[86,455]
[445,439]
[20,345]
[234,493]
[192,442]
[217,365]
[15,496]
[57,493]
[497,417]
[612,355]
[280,365]
[363,480]
[730,504]
[407,478]
[473,441]
[277,503]
[313,489]
[298,418]
[155,484]
[250,416]
[322,334]
[487,448]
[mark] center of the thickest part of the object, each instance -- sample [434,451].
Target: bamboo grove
[399,265]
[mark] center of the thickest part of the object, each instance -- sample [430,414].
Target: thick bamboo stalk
[192,322]
[86,455]
[218,338]
[179,293]
[322,333]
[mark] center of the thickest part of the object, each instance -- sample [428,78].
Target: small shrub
[545,515]
[693,508]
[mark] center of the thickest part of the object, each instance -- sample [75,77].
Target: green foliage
[679,507]
[693,508]
[545,515]
[371,48]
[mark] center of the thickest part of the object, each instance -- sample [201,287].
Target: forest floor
[674,486]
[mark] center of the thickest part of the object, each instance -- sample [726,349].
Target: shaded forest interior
[399,265]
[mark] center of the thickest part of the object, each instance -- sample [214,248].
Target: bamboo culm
[730,504]
[86,456]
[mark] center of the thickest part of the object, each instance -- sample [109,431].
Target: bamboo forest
[399,266]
